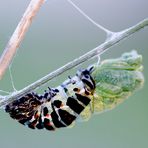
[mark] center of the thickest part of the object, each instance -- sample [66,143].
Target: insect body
[93,90]
[58,107]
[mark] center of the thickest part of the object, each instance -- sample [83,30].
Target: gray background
[58,35]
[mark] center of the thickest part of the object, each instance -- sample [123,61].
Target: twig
[113,40]
[18,35]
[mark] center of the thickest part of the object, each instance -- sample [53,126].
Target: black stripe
[46,95]
[87,93]
[74,105]
[92,80]
[66,117]
[88,83]
[57,103]
[40,123]
[56,121]
[45,111]
[47,125]
[33,124]
[85,100]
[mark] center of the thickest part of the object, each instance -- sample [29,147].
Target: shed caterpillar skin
[93,90]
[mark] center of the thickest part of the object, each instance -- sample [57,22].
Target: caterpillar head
[86,78]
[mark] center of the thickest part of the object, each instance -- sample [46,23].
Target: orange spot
[61,105]
[48,115]
[48,124]
[36,116]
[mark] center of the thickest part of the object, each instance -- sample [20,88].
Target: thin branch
[116,37]
[18,35]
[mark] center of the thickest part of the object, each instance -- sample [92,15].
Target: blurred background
[58,35]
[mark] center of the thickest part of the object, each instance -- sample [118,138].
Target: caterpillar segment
[57,107]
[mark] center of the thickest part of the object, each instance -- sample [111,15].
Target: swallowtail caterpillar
[93,90]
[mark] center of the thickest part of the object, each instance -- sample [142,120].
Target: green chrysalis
[116,80]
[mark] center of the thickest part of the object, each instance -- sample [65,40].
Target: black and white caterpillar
[57,107]
[93,90]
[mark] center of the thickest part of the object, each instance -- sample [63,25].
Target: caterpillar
[98,88]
